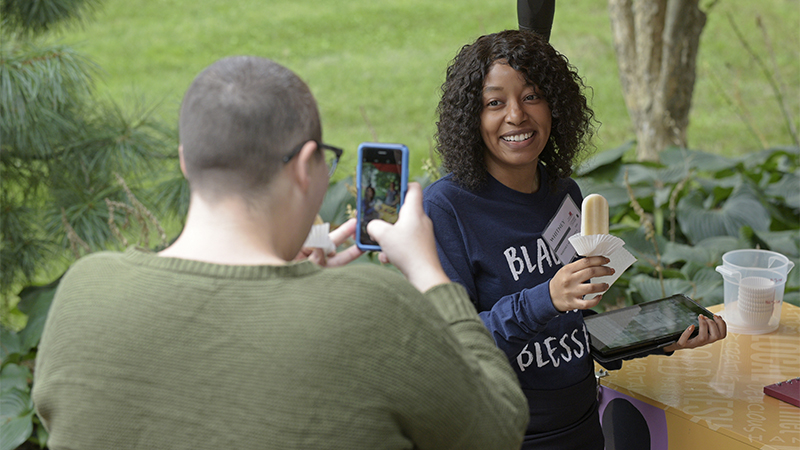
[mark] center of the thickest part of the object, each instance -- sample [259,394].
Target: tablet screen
[644,325]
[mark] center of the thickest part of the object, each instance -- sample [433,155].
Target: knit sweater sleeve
[498,413]
[299,357]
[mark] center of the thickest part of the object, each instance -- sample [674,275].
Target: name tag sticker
[564,224]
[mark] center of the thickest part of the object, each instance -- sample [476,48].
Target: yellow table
[712,397]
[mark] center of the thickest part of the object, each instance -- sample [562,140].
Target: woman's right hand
[569,285]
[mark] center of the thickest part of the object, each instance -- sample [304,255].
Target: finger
[344,257]
[412,201]
[303,253]
[582,290]
[591,303]
[703,331]
[318,257]
[713,331]
[588,262]
[721,325]
[683,341]
[383,258]
[594,272]
[376,228]
[343,232]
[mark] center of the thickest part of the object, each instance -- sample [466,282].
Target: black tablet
[641,328]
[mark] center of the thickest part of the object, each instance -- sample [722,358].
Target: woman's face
[515,122]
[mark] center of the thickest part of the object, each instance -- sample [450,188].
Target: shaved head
[239,117]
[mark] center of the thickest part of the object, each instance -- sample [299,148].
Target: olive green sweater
[145,352]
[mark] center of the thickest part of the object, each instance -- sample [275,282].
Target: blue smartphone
[381,181]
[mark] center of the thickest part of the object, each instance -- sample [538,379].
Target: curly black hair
[458,134]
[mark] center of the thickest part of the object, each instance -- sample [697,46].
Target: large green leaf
[10,347]
[14,376]
[697,160]
[708,283]
[604,164]
[787,189]
[721,244]
[35,302]
[707,252]
[785,242]
[653,176]
[783,159]
[642,248]
[675,252]
[649,288]
[334,206]
[615,194]
[697,221]
[16,418]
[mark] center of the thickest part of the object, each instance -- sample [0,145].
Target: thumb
[412,203]
[377,228]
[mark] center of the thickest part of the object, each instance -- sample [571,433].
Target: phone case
[403,179]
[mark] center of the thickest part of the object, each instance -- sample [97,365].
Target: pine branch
[75,241]
[42,90]
[31,18]
[143,214]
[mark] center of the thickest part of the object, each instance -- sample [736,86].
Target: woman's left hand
[708,331]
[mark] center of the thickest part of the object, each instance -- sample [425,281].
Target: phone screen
[382,178]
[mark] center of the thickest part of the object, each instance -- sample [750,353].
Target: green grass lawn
[376,66]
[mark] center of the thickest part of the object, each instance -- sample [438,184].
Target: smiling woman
[514,95]
[512,120]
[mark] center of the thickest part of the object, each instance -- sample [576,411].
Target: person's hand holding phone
[409,244]
[381,180]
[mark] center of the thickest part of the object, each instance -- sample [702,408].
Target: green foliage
[68,160]
[68,163]
[18,422]
[72,168]
[679,217]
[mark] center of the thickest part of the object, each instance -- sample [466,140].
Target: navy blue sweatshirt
[491,242]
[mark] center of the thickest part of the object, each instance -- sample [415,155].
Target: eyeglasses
[332,155]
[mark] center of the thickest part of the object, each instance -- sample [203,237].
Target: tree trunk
[656,43]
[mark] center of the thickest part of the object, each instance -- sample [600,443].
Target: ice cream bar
[594,215]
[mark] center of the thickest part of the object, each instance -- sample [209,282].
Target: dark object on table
[788,391]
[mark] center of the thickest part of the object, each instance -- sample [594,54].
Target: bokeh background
[376,66]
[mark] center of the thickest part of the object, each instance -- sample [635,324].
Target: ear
[302,167]
[180,158]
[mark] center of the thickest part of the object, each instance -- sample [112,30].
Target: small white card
[564,224]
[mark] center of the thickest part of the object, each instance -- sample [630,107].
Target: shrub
[679,217]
